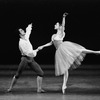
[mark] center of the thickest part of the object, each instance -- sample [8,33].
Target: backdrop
[82,26]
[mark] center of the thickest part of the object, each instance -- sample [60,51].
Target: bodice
[57,40]
[57,43]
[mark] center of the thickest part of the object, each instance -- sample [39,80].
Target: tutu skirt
[68,55]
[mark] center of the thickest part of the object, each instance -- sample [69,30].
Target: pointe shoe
[41,91]
[63,89]
[97,52]
[9,90]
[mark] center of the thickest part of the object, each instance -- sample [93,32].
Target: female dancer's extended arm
[63,21]
[63,25]
[46,45]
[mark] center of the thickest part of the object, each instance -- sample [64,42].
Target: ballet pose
[27,59]
[68,54]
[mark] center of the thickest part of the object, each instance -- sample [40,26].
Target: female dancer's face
[57,26]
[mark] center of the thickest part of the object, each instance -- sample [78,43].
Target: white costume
[68,54]
[25,46]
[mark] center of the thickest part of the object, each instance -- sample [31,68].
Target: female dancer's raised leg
[66,74]
[91,51]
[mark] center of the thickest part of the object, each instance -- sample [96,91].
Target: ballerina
[68,54]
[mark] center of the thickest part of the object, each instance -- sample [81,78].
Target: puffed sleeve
[28,31]
[63,35]
[52,38]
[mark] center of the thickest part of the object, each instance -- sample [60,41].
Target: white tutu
[68,55]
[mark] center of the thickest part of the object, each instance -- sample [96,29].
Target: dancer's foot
[63,89]
[9,90]
[41,91]
[98,52]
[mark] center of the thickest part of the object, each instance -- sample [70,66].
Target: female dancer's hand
[40,47]
[65,14]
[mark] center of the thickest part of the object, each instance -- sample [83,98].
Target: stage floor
[79,88]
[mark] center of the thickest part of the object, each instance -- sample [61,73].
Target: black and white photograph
[50,50]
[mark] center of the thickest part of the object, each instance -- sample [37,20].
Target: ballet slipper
[98,52]
[41,91]
[63,89]
[9,90]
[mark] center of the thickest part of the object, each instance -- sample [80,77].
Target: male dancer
[27,59]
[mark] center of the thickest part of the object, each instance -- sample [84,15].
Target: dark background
[82,26]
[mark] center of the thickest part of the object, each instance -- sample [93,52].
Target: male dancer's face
[22,32]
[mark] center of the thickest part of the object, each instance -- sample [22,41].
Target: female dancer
[68,54]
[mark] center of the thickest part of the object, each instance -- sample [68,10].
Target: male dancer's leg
[35,66]
[22,65]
